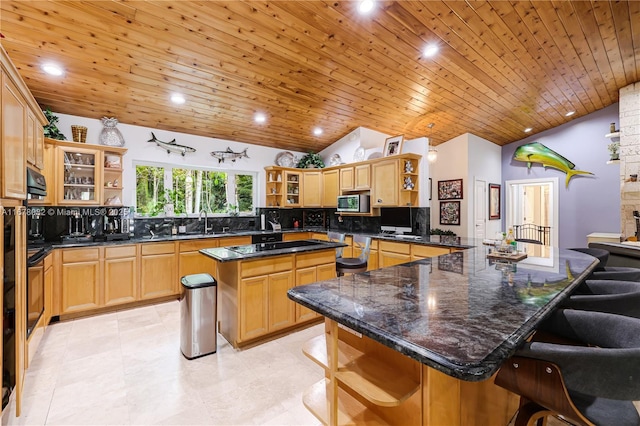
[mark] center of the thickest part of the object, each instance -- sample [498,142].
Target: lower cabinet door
[307,276]
[254,314]
[80,286]
[281,309]
[120,281]
[158,276]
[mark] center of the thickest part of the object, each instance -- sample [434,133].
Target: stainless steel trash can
[198,315]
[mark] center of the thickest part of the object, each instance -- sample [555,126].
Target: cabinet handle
[379,200]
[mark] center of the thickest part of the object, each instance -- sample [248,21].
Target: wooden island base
[368,383]
[252,294]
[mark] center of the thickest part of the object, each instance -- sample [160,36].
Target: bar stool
[604,272]
[614,297]
[589,385]
[337,237]
[354,265]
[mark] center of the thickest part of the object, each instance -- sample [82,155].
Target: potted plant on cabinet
[310,161]
[51,131]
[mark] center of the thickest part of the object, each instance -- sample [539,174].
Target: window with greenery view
[193,190]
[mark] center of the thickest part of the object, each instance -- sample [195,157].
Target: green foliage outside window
[193,190]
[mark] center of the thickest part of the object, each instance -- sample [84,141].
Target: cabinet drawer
[305,260]
[195,245]
[402,248]
[158,248]
[120,251]
[48,261]
[80,255]
[427,251]
[254,268]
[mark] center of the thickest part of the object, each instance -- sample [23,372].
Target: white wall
[485,163]
[467,157]
[139,149]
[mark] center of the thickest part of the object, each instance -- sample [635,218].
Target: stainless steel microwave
[355,203]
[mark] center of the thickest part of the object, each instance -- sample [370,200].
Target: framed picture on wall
[450,213]
[494,201]
[450,189]
[393,146]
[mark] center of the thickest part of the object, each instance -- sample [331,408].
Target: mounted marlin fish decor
[171,146]
[229,155]
[535,152]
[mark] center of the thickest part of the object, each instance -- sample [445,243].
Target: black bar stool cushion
[600,254]
[350,263]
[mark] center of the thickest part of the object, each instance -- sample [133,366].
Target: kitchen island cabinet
[253,281]
[414,344]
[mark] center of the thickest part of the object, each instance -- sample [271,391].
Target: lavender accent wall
[590,203]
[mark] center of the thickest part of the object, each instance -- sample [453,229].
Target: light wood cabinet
[39,154]
[158,275]
[419,251]
[312,189]
[81,280]
[254,309]
[13,113]
[234,241]
[362,173]
[385,184]
[78,174]
[293,188]
[252,294]
[31,137]
[120,275]
[347,178]
[330,188]
[86,174]
[48,289]
[296,236]
[274,188]
[392,253]
[281,309]
[191,261]
[48,170]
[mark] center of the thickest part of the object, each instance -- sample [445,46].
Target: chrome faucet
[206,228]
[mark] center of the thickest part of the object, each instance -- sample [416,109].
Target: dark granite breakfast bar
[460,314]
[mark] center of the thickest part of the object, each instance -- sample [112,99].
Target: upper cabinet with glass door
[77,173]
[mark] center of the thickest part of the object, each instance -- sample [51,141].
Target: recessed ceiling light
[366,6]
[430,50]
[52,69]
[528,129]
[177,98]
[569,114]
[317,131]
[259,118]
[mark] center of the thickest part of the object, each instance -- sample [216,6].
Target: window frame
[168,183]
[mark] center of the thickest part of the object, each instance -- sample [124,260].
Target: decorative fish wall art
[536,152]
[171,146]
[228,154]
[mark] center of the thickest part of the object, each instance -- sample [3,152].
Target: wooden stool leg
[531,414]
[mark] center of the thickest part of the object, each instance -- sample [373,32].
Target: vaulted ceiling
[502,66]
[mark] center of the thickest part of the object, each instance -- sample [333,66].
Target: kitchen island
[253,281]
[419,343]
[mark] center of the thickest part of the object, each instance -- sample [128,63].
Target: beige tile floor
[125,368]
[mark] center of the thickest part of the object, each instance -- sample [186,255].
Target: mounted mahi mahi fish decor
[229,155]
[171,146]
[535,152]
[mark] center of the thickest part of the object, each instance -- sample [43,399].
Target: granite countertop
[264,250]
[460,313]
[433,240]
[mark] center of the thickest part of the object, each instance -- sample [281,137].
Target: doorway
[480,209]
[533,201]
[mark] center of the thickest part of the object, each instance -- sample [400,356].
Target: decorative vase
[110,135]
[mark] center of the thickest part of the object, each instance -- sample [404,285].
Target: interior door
[480,207]
[533,201]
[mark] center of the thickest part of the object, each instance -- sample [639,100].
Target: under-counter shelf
[374,379]
[377,381]
[316,350]
[350,410]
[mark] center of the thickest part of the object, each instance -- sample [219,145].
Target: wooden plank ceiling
[502,66]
